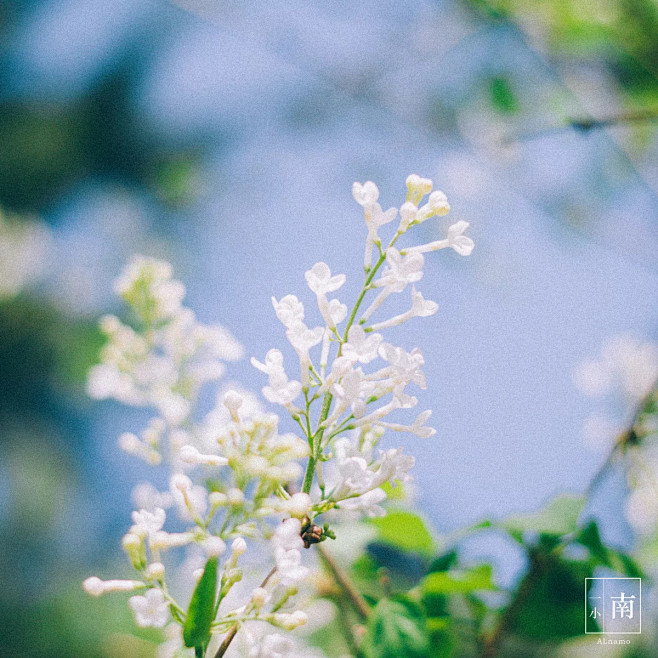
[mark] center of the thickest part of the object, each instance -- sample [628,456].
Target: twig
[226,642]
[587,124]
[492,643]
[343,580]
[625,439]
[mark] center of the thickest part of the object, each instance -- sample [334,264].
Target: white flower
[148,523]
[408,215]
[417,187]
[190,455]
[214,546]
[289,310]
[356,477]
[303,339]
[404,366]
[437,204]
[191,500]
[365,194]
[367,503]
[418,428]
[401,270]
[286,545]
[151,609]
[360,346]
[95,586]
[321,282]
[162,540]
[289,620]
[393,465]
[375,218]
[349,391]
[273,363]
[337,311]
[420,307]
[299,505]
[462,244]
[145,496]
[172,647]
[456,239]
[282,391]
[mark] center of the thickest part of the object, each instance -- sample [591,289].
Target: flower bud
[289,621]
[217,499]
[134,546]
[235,497]
[155,571]
[233,402]
[238,547]
[259,597]
[214,546]
[299,505]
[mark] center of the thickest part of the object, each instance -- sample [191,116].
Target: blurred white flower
[151,609]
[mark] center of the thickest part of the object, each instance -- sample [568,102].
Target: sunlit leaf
[559,517]
[404,530]
[196,631]
[396,628]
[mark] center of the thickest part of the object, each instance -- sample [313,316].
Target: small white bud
[129,443]
[190,455]
[214,546]
[235,497]
[93,586]
[238,547]
[131,542]
[217,499]
[259,597]
[289,621]
[299,505]
[233,401]
[155,571]
[181,482]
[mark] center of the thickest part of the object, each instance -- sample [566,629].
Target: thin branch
[226,642]
[628,437]
[587,125]
[353,594]
[492,643]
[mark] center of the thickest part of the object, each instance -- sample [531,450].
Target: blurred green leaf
[443,562]
[502,96]
[396,628]
[551,605]
[404,530]
[458,581]
[590,537]
[559,517]
[201,612]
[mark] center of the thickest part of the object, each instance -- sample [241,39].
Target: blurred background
[225,136]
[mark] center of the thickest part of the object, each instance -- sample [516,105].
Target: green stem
[315,442]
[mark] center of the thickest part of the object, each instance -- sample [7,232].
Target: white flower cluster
[626,374]
[359,379]
[233,475]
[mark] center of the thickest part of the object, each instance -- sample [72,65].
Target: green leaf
[559,517]
[443,562]
[458,581]
[201,612]
[590,537]
[396,628]
[502,96]
[404,530]
[552,603]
